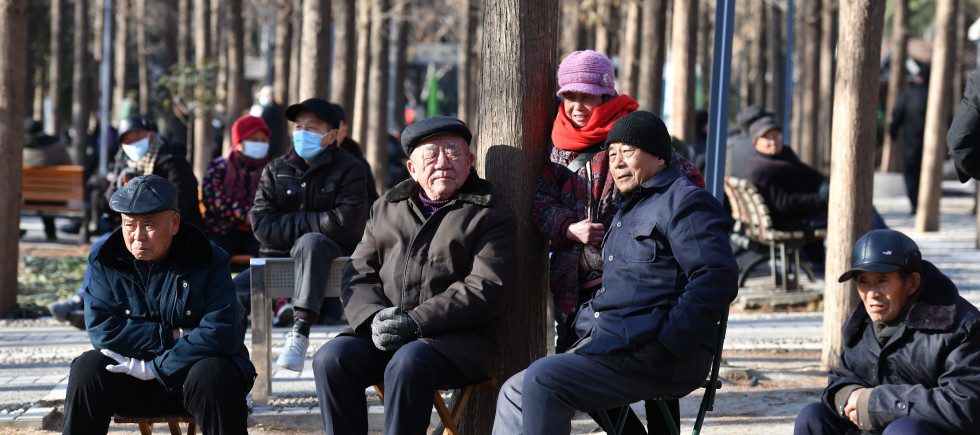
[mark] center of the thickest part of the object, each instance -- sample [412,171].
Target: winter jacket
[790,188]
[929,369]
[46,153]
[190,289]
[222,213]
[963,138]
[909,117]
[451,272]
[328,197]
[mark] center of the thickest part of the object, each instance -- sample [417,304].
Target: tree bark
[777,52]
[81,104]
[759,51]
[235,102]
[362,86]
[120,55]
[937,118]
[284,36]
[705,45]
[203,130]
[650,85]
[684,36]
[852,165]
[891,152]
[13,75]
[56,67]
[629,49]
[314,70]
[571,27]
[603,27]
[828,45]
[141,57]
[295,60]
[219,54]
[400,55]
[376,143]
[466,34]
[806,140]
[97,27]
[512,135]
[342,77]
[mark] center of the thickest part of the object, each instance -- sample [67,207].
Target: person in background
[740,146]
[909,118]
[275,119]
[911,357]
[350,145]
[41,150]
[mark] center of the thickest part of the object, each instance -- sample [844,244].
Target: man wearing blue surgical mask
[311,205]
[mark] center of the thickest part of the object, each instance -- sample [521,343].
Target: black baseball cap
[883,251]
[323,109]
[146,194]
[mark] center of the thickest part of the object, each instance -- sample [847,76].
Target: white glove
[136,368]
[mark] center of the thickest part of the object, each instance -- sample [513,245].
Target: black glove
[390,330]
[824,192]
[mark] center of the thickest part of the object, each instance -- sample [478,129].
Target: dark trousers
[312,253]
[817,419]
[213,393]
[237,242]
[346,365]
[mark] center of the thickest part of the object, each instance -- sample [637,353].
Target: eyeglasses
[431,152]
[772,137]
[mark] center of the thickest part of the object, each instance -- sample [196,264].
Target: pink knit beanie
[587,71]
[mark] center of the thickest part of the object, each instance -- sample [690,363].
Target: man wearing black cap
[669,276]
[424,289]
[911,358]
[311,204]
[162,315]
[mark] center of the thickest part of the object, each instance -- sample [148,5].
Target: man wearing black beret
[668,277]
[424,289]
[162,315]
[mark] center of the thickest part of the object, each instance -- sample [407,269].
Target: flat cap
[323,109]
[761,126]
[146,194]
[135,123]
[430,127]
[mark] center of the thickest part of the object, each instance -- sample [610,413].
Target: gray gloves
[136,368]
[391,329]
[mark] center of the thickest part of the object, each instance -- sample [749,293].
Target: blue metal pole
[721,70]
[788,73]
[105,84]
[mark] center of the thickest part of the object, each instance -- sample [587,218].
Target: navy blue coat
[930,368]
[190,288]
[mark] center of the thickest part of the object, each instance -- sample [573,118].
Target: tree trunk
[629,49]
[344,55]
[315,51]
[400,44]
[141,57]
[466,34]
[56,67]
[759,51]
[237,94]
[705,45]
[512,135]
[891,152]
[97,26]
[219,54]
[603,27]
[284,36]
[81,104]
[376,143]
[937,118]
[13,75]
[120,55]
[362,86]
[852,165]
[650,86]
[777,52]
[684,36]
[959,39]
[806,140]
[295,60]
[828,45]
[202,115]
[571,26]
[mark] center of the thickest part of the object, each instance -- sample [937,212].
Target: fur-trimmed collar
[190,244]
[934,308]
[475,190]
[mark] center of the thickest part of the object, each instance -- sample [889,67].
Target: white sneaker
[294,355]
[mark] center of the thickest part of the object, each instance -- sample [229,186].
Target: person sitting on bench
[423,290]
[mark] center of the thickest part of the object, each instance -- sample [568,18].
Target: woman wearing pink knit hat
[574,200]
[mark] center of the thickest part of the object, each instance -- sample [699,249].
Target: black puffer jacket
[293,198]
[963,138]
[790,187]
[930,368]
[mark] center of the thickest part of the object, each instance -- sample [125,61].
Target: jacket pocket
[643,243]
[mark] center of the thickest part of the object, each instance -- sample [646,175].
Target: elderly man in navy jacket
[162,315]
[669,276]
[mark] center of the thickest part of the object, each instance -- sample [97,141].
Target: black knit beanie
[643,130]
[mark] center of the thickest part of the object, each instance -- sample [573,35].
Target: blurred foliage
[194,87]
[43,280]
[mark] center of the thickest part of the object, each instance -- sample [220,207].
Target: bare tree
[705,43]
[604,32]
[852,163]
[399,44]
[362,86]
[342,76]
[295,59]
[120,55]
[202,115]
[806,140]
[774,33]
[629,49]
[937,118]
[81,103]
[571,27]
[828,47]
[757,76]
[376,143]
[650,84]
[235,101]
[56,66]
[98,24]
[511,137]
[683,42]
[142,57]
[891,153]
[466,34]
[284,36]
[315,50]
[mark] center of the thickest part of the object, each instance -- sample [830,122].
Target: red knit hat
[245,126]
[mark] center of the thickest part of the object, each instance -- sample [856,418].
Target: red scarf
[567,136]
[241,170]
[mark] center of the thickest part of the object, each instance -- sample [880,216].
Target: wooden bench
[272,278]
[56,191]
[173,421]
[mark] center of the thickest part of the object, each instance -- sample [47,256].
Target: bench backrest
[54,184]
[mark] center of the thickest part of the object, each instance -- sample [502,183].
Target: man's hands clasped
[136,368]
[391,330]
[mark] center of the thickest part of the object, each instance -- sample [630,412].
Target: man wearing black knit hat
[669,275]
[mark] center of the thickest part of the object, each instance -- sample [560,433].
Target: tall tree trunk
[629,49]
[56,67]
[219,53]
[777,53]
[937,118]
[314,67]
[466,34]
[284,37]
[13,75]
[510,150]
[684,36]
[828,46]
[476,66]
[37,111]
[959,40]
[759,51]
[120,55]
[142,57]
[98,25]
[891,152]
[571,26]
[295,60]
[376,143]
[852,165]
[705,45]
[806,140]
[81,104]
[344,55]
[235,102]
[170,38]
[650,87]
[400,47]
[362,86]
[603,27]
[202,116]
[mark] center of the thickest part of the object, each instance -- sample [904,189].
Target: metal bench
[272,278]
[55,191]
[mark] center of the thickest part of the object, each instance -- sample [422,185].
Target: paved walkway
[35,355]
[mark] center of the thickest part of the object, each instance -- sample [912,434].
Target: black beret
[643,130]
[430,127]
[147,194]
[323,109]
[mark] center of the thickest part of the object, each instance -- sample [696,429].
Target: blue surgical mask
[263,101]
[138,149]
[255,150]
[307,144]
